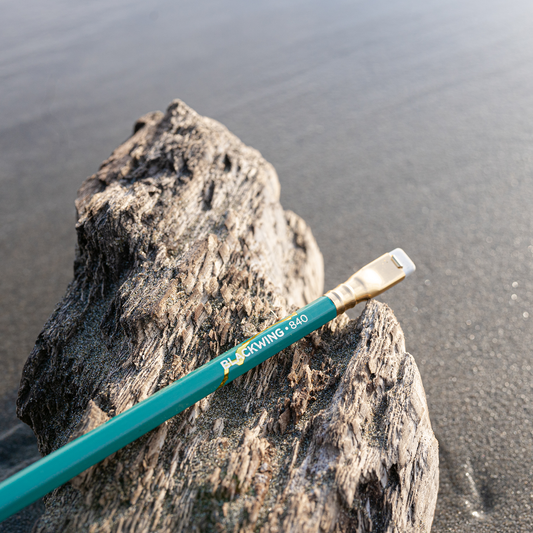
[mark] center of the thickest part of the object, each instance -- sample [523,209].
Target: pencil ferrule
[369,282]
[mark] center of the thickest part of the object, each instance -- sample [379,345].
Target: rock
[184,251]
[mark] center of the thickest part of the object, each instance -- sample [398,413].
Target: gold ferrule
[369,282]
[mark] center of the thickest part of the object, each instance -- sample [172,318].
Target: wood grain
[183,251]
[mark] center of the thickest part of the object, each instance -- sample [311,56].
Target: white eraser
[406,263]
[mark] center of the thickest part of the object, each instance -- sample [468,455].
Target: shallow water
[390,123]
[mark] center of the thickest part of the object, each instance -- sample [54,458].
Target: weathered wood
[183,251]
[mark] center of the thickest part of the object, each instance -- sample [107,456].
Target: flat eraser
[403,259]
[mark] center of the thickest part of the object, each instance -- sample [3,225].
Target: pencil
[66,462]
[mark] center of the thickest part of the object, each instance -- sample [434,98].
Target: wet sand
[390,124]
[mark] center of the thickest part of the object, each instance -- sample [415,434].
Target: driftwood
[183,251]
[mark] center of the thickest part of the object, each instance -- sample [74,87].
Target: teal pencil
[66,462]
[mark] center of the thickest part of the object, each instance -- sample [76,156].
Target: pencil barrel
[66,462]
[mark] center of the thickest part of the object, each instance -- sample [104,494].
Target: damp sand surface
[405,123]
